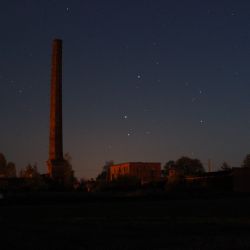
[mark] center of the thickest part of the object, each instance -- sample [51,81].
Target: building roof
[134,162]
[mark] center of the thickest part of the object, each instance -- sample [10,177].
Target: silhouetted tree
[3,161]
[225,166]
[68,158]
[29,171]
[33,180]
[246,162]
[189,166]
[124,183]
[103,175]
[11,169]
[69,178]
[107,165]
[167,166]
[7,169]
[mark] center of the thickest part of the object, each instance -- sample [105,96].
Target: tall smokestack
[56,139]
[59,169]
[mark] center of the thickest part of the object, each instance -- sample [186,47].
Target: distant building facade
[241,177]
[144,171]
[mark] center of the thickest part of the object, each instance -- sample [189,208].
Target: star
[202,122]
[125,117]
[138,76]
[236,73]
[130,132]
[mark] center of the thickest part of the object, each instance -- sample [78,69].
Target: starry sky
[143,80]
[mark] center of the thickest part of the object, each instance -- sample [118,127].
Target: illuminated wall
[145,171]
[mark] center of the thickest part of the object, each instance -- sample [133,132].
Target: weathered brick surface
[55,141]
[144,171]
[56,164]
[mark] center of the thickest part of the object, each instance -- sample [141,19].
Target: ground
[149,223]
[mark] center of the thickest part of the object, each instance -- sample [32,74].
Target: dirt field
[209,223]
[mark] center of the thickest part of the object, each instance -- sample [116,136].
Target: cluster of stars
[194,99]
[202,122]
[130,132]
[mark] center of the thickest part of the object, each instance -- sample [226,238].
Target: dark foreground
[162,223]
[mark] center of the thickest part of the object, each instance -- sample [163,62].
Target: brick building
[241,177]
[144,171]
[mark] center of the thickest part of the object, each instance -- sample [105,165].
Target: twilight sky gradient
[148,80]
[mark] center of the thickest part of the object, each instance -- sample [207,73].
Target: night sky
[142,80]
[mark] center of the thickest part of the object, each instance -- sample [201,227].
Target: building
[144,171]
[241,177]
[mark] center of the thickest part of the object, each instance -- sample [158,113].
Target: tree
[126,183]
[167,166]
[7,169]
[246,162]
[68,158]
[32,178]
[69,179]
[107,165]
[11,169]
[225,167]
[189,166]
[3,161]
[29,171]
[104,174]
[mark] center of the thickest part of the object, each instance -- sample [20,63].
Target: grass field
[180,223]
